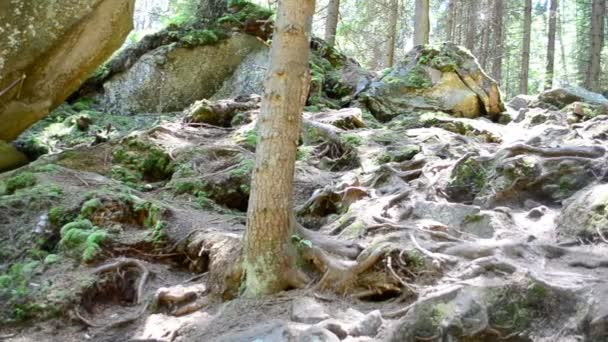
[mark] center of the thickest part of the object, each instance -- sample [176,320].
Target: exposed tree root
[127,262]
[580,151]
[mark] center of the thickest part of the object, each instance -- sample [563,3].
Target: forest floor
[446,228]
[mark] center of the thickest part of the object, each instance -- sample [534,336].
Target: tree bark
[498,40]
[525,55]
[331,23]
[422,24]
[210,10]
[551,45]
[392,33]
[471,25]
[269,255]
[598,12]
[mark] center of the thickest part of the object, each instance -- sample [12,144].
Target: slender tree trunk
[598,12]
[392,33]
[566,74]
[269,255]
[498,40]
[525,55]
[331,24]
[450,21]
[551,45]
[422,25]
[210,10]
[471,25]
[485,46]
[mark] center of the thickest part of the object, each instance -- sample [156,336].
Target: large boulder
[561,97]
[48,48]
[446,79]
[171,77]
[10,158]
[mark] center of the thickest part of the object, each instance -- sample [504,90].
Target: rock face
[447,79]
[170,78]
[47,49]
[10,158]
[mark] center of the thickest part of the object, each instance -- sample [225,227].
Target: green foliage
[515,307]
[244,170]
[137,160]
[195,37]
[249,139]
[20,181]
[469,174]
[187,186]
[300,243]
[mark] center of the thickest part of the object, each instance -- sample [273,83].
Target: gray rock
[248,78]
[308,310]
[521,101]
[585,214]
[171,78]
[317,334]
[444,212]
[537,213]
[561,97]
[337,327]
[275,330]
[368,326]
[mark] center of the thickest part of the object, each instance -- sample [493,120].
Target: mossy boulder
[446,78]
[48,48]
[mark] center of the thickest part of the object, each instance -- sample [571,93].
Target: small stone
[307,310]
[317,334]
[537,213]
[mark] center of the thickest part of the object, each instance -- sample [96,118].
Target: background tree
[422,24]
[551,44]
[598,14]
[392,33]
[331,24]
[269,256]
[525,53]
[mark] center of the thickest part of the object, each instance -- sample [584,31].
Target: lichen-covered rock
[561,97]
[170,78]
[446,79]
[585,214]
[48,48]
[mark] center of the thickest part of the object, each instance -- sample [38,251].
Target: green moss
[248,139]
[20,181]
[83,238]
[351,141]
[91,206]
[469,174]
[187,186]
[51,259]
[195,37]
[305,152]
[244,170]
[137,160]
[514,308]
[245,12]
[416,78]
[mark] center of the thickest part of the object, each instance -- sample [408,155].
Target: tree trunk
[392,33]
[598,11]
[269,255]
[471,25]
[498,40]
[331,23]
[551,45]
[422,24]
[525,56]
[566,73]
[450,20]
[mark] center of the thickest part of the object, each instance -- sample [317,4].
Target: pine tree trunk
[551,45]
[392,33]
[566,73]
[422,24]
[471,25]
[331,23]
[525,55]
[450,21]
[598,12]
[498,40]
[210,10]
[269,255]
